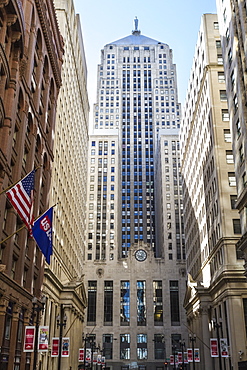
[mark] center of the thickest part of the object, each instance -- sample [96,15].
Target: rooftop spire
[136,31]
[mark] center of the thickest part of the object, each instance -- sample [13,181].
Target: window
[141,302]
[225,115]
[218,44]
[220,59]
[8,321]
[159,347]
[125,303]
[221,77]
[216,25]
[124,346]
[92,297]
[236,226]
[108,302]
[158,302]
[229,156]
[107,345]
[142,353]
[174,303]
[233,199]
[245,313]
[241,154]
[238,127]
[231,179]
[223,96]
[227,136]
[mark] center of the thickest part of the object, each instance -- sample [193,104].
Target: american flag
[21,198]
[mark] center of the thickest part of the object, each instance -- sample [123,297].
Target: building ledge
[242,199]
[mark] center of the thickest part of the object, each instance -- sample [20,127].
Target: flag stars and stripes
[21,198]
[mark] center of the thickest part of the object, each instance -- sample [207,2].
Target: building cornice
[49,40]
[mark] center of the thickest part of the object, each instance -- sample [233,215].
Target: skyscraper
[216,290]
[63,278]
[134,262]
[232,18]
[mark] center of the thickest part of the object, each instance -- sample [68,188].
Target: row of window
[140,299]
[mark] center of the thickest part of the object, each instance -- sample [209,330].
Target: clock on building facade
[140,255]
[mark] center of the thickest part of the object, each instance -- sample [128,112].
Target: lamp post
[88,339]
[85,339]
[38,306]
[61,323]
[182,343]
[192,340]
[174,355]
[93,347]
[217,326]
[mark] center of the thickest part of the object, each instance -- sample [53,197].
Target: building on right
[216,297]
[233,31]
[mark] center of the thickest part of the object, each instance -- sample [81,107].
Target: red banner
[171,360]
[54,347]
[180,358]
[186,357]
[43,338]
[190,354]
[29,339]
[214,347]
[65,347]
[81,354]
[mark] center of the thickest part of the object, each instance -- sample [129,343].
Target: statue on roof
[136,23]
[136,31]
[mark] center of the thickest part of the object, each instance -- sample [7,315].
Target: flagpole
[9,187]
[10,236]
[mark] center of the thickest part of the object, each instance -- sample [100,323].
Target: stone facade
[31,57]
[63,278]
[232,21]
[134,261]
[216,290]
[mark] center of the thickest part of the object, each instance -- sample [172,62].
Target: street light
[217,326]
[174,355]
[89,338]
[192,340]
[38,306]
[182,344]
[61,323]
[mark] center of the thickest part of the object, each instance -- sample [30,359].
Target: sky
[174,22]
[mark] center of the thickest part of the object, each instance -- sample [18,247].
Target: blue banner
[42,233]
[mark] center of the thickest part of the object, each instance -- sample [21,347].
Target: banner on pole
[214,347]
[65,347]
[190,354]
[43,338]
[54,347]
[88,354]
[186,357]
[95,355]
[171,360]
[196,355]
[224,347]
[180,357]
[29,339]
[81,354]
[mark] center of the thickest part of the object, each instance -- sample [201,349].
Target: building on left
[63,279]
[31,51]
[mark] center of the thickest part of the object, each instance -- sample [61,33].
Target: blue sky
[174,22]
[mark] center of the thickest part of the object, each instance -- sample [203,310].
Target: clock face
[140,255]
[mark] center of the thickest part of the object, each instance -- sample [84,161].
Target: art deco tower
[134,267]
